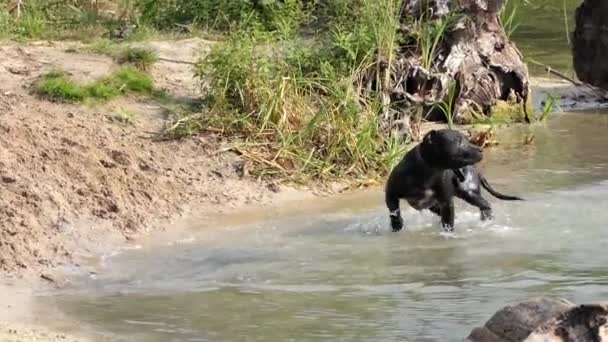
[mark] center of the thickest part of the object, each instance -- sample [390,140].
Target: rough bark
[474,56]
[590,43]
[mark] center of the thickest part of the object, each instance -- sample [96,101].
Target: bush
[297,107]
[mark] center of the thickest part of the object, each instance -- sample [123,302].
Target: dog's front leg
[447,215]
[477,200]
[392,203]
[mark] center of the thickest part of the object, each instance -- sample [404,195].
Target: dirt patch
[75,181]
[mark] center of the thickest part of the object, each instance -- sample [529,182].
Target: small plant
[548,107]
[447,106]
[141,58]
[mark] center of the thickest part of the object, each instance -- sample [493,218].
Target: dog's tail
[487,186]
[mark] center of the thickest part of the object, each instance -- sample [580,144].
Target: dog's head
[449,149]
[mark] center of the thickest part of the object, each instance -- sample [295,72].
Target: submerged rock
[545,320]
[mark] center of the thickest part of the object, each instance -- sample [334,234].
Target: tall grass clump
[297,106]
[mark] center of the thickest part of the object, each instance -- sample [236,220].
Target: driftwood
[590,43]
[475,65]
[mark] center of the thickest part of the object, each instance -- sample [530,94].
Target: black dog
[431,174]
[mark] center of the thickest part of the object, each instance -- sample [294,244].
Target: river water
[341,275]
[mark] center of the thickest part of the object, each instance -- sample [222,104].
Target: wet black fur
[430,175]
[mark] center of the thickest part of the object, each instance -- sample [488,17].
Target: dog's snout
[476,154]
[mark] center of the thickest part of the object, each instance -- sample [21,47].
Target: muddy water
[341,275]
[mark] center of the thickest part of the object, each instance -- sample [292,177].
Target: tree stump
[473,67]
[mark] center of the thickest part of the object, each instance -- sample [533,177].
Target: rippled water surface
[343,276]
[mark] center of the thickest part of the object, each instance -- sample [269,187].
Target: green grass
[57,86]
[102,90]
[131,79]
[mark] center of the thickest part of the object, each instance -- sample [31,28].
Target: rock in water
[590,43]
[584,323]
[545,320]
[514,323]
